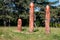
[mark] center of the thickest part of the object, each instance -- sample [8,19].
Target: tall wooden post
[31,17]
[19,25]
[47,20]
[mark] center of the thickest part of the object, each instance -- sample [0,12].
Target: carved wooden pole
[19,25]
[47,20]
[31,17]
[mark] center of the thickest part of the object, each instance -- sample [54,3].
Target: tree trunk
[4,23]
[9,23]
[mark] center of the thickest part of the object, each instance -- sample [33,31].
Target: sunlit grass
[9,33]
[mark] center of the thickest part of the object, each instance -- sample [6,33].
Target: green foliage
[24,13]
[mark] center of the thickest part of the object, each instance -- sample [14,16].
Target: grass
[9,33]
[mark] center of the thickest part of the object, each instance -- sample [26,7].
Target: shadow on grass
[36,30]
[24,29]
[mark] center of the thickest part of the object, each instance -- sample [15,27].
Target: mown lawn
[10,33]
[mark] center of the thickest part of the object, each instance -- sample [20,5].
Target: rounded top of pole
[19,19]
[31,4]
[47,7]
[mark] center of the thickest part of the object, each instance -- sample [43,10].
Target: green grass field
[10,33]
